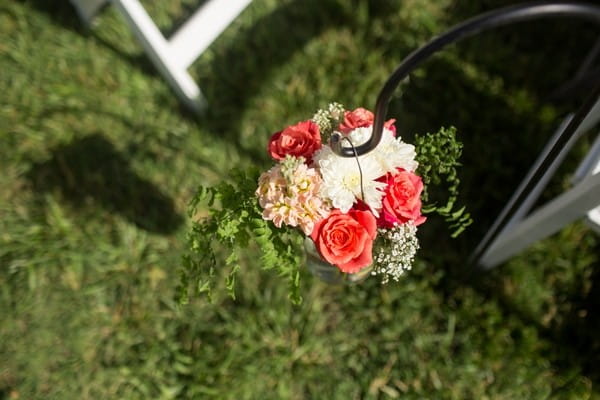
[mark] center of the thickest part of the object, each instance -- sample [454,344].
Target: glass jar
[330,273]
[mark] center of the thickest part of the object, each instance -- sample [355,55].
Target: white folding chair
[173,56]
[582,200]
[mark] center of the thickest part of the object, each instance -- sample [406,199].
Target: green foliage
[438,155]
[234,221]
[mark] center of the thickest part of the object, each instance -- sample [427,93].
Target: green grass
[99,160]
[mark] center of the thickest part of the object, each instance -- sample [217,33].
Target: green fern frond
[438,156]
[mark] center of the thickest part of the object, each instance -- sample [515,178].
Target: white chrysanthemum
[342,180]
[390,153]
[359,136]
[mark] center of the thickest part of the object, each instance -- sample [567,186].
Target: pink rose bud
[300,140]
[361,118]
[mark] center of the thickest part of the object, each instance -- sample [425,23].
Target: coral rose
[346,240]
[402,199]
[300,140]
[361,118]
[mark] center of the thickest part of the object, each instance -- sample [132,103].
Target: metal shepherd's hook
[480,23]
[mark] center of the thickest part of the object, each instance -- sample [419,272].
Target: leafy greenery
[99,163]
[234,224]
[438,156]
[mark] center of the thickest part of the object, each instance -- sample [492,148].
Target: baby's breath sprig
[336,111]
[394,251]
[328,119]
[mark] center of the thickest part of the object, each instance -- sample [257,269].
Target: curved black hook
[480,23]
[483,22]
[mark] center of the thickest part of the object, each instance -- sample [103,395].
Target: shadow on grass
[63,14]
[579,336]
[503,129]
[572,336]
[262,49]
[237,73]
[502,143]
[91,170]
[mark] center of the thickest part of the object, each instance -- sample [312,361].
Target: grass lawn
[99,161]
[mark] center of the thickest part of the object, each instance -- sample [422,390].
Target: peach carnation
[289,194]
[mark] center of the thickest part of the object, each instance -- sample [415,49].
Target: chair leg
[593,216]
[172,58]
[159,51]
[550,218]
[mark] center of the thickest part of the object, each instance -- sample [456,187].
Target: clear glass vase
[330,273]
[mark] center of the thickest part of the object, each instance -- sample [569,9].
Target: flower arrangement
[358,214]
[346,206]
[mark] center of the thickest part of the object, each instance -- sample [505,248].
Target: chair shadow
[574,337]
[578,337]
[92,170]
[258,52]
[503,144]
[275,37]
[63,14]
